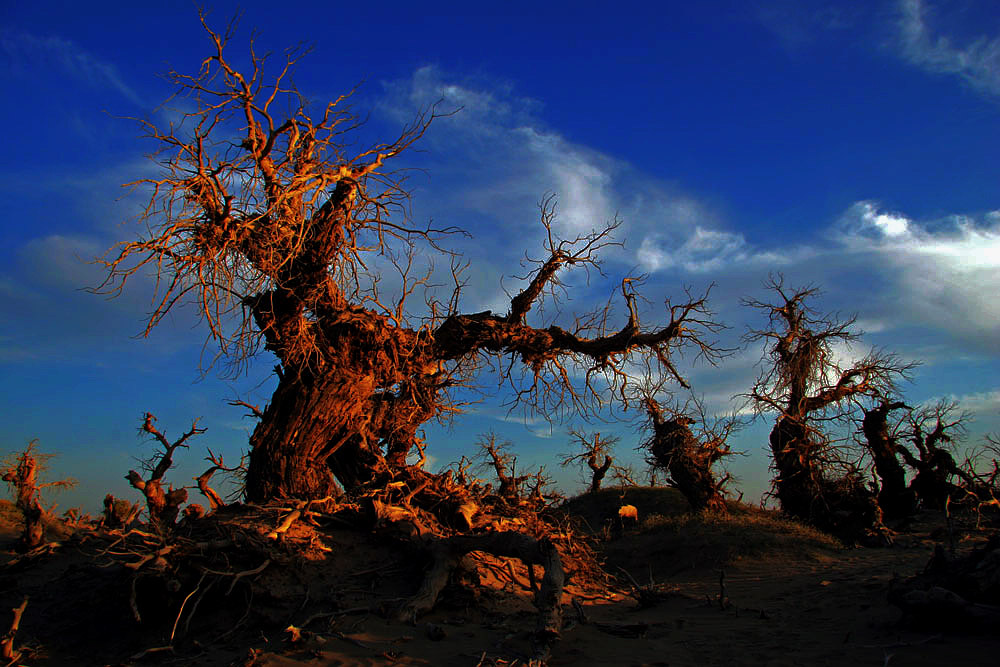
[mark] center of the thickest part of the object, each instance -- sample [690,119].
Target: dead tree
[987,477]
[218,463]
[591,450]
[806,385]
[688,459]
[500,459]
[933,430]
[162,504]
[285,238]
[895,499]
[21,473]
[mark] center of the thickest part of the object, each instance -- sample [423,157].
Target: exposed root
[7,644]
[301,508]
[446,554]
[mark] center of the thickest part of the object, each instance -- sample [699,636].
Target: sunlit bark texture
[286,238]
[805,383]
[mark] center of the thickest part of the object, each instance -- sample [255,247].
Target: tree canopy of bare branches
[281,236]
[805,383]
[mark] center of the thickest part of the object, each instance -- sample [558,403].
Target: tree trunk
[799,488]
[841,506]
[598,472]
[895,499]
[674,448]
[308,435]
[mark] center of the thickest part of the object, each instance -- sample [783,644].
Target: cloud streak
[978,62]
[26,52]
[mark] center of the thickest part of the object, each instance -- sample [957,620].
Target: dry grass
[597,509]
[671,539]
[747,532]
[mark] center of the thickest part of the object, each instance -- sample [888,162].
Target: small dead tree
[803,381]
[687,457]
[218,463]
[499,457]
[162,504]
[593,454]
[895,499]
[22,472]
[983,465]
[933,430]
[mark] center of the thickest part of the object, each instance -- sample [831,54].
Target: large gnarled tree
[803,381]
[282,237]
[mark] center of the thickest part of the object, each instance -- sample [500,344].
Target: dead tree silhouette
[806,385]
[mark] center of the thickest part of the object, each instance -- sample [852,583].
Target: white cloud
[944,273]
[984,403]
[978,62]
[504,159]
[702,250]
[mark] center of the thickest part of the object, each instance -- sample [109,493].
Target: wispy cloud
[504,158]
[797,24]
[978,61]
[26,52]
[711,250]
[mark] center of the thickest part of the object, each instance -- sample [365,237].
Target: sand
[786,602]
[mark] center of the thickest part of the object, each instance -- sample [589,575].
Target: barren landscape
[329,594]
[448,376]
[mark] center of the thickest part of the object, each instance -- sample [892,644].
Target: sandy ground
[781,612]
[814,607]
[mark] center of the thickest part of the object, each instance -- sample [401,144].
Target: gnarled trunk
[895,499]
[309,435]
[798,484]
[674,448]
[840,505]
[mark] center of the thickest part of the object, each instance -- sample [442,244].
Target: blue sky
[850,145]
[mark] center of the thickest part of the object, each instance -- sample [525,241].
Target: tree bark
[598,472]
[675,448]
[841,505]
[895,499]
[798,485]
[307,435]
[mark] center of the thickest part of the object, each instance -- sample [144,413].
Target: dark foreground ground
[789,596]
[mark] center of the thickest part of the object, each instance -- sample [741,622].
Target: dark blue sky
[847,144]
